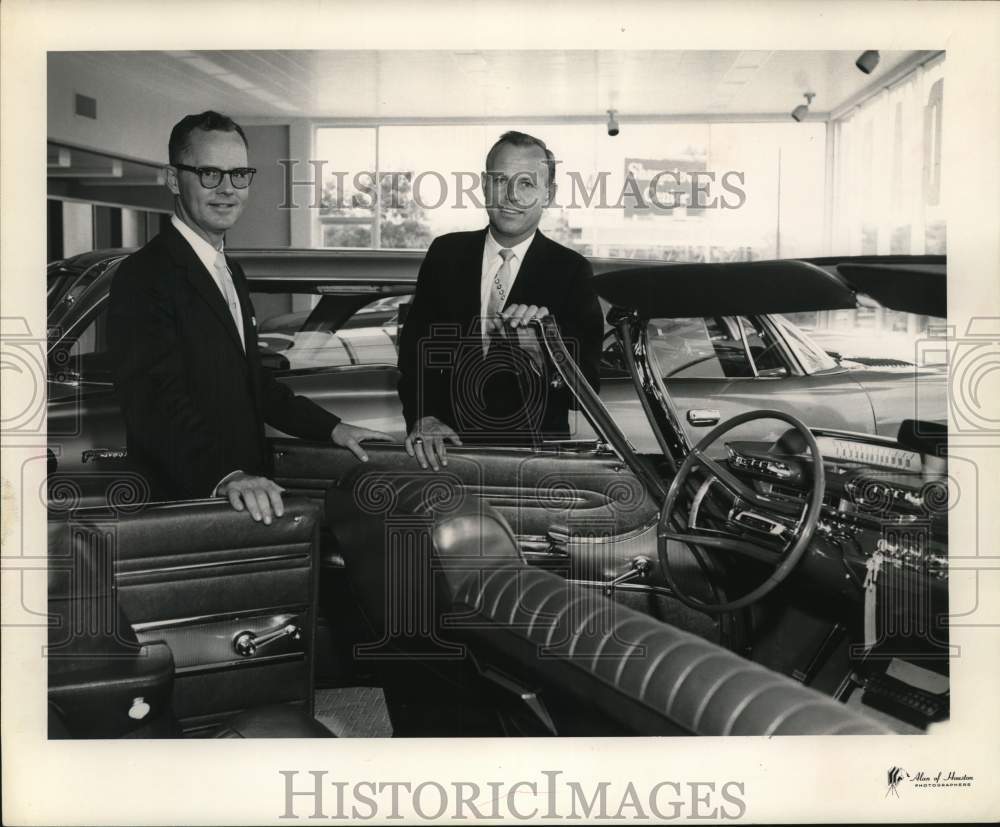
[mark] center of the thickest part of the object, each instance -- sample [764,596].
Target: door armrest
[111,697]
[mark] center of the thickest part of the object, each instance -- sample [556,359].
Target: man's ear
[551,194]
[171,179]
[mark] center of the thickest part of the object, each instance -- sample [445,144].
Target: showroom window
[660,191]
[887,188]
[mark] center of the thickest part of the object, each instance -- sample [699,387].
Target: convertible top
[912,287]
[915,284]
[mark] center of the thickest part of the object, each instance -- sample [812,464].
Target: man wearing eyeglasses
[194,395]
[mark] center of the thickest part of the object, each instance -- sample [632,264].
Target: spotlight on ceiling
[868,61]
[612,123]
[800,111]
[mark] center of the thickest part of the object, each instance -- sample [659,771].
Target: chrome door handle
[638,568]
[702,417]
[247,643]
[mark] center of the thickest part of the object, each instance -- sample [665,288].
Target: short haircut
[523,139]
[180,135]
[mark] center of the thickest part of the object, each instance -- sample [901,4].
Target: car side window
[764,348]
[700,347]
[88,353]
[811,356]
[301,331]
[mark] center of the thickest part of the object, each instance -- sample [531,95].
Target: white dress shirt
[491,266]
[207,255]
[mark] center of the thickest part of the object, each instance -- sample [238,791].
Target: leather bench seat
[651,678]
[644,676]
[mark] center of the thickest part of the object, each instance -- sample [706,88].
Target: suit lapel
[531,274]
[246,305]
[249,325]
[468,281]
[203,282]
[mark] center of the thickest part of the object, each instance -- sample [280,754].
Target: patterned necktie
[498,294]
[225,281]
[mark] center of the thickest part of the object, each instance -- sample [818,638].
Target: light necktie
[225,281]
[498,294]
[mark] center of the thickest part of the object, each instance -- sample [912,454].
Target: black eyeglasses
[211,177]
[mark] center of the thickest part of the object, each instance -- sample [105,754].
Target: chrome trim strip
[151,625]
[223,666]
[133,573]
[738,321]
[631,534]
[642,588]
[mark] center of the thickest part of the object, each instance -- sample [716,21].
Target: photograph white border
[798,779]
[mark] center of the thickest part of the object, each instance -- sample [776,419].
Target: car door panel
[197,575]
[582,510]
[819,400]
[89,465]
[920,394]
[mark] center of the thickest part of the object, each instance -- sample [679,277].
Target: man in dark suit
[460,379]
[194,395]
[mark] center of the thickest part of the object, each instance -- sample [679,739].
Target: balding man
[458,381]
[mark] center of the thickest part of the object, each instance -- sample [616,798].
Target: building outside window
[663,191]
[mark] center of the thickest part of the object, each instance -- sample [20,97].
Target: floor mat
[354,712]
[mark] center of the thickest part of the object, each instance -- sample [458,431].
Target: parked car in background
[328,322]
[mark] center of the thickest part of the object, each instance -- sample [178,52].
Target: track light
[612,123]
[800,111]
[868,61]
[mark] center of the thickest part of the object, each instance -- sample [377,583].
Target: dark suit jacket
[498,399]
[194,404]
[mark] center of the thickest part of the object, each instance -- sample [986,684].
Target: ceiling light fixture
[800,111]
[867,61]
[612,123]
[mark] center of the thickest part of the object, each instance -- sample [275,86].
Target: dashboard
[878,561]
[880,497]
[868,453]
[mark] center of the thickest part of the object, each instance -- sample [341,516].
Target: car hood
[914,284]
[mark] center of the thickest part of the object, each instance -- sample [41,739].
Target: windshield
[810,355]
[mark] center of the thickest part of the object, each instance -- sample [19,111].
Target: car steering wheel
[807,517]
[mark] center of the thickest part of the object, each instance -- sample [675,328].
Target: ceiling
[493,84]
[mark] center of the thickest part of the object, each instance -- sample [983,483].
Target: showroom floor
[354,712]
